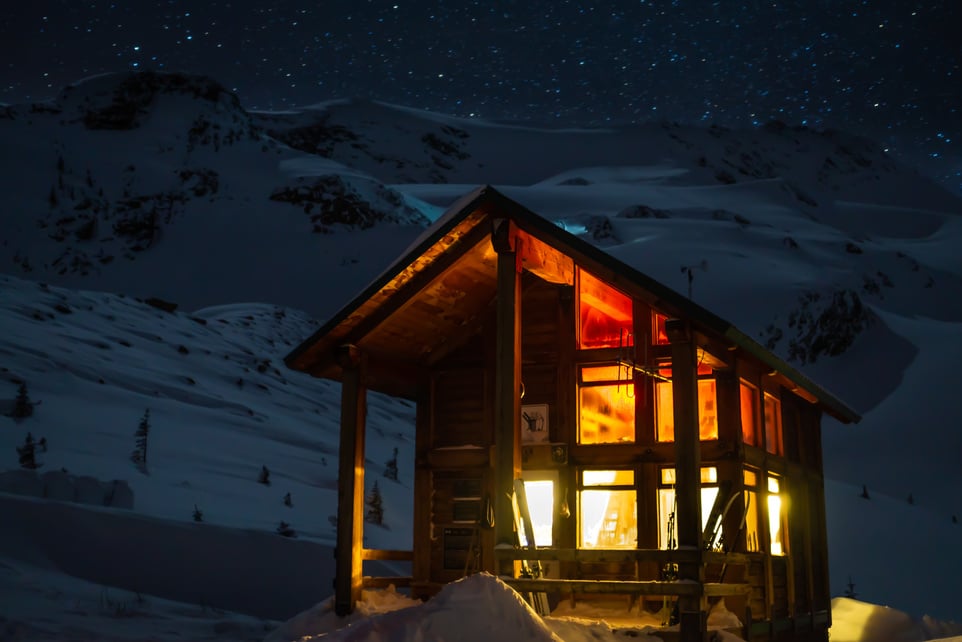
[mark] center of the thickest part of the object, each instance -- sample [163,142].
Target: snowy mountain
[165,249]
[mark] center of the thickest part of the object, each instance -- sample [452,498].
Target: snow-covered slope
[160,185]
[256,224]
[218,395]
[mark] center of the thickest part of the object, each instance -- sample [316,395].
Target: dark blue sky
[888,69]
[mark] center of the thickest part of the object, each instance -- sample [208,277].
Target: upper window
[748,396]
[606,405]
[658,332]
[604,314]
[773,425]
[665,409]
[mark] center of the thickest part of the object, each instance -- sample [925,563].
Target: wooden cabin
[636,419]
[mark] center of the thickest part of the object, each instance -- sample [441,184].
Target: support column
[350,483]
[684,385]
[507,381]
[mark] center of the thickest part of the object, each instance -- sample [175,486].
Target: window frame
[581,384]
[625,487]
[774,433]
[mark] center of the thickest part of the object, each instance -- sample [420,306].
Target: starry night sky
[887,69]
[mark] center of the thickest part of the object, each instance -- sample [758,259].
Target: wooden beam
[684,381]
[423,487]
[386,554]
[635,587]
[406,294]
[350,484]
[622,556]
[507,380]
[545,261]
[401,581]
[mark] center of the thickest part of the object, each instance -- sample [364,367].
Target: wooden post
[350,483]
[507,381]
[684,385]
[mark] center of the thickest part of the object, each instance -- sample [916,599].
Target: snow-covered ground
[239,219]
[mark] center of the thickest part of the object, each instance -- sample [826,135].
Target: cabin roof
[436,295]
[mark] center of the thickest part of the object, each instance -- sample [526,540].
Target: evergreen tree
[390,468]
[288,501]
[264,477]
[42,444]
[22,406]
[27,453]
[864,494]
[375,506]
[285,529]
[198,514]
[139,455]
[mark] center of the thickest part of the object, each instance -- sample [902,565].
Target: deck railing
[626,556]
[592,556]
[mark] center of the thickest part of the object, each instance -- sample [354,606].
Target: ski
[523,524]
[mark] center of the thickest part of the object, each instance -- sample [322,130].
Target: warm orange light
[606,414]
[608,517]
[773,425]
[707,411]
[658,332]
[605,314]
[748,397]
[776,518]
[540,494]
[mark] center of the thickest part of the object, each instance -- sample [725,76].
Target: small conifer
[198,514]
[27,453]
[375,506]
[288,501]
[22,406]
[139,454]
[264,477]
[390,468]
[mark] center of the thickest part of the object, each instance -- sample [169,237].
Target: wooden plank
[404,293]
[545,261]
[384,582]
[350,486]
[507,387]
[633,587]
[721,589]
[386,554]
[458,458]
[622,556]
[423,486]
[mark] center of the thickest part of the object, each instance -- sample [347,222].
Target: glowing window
[608,509]
[665,413]
[605,314]
[606,406]
[658,333]
[667,531]
[751,512]
[776,518]
[748,396]
[540,494]
[773,425]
